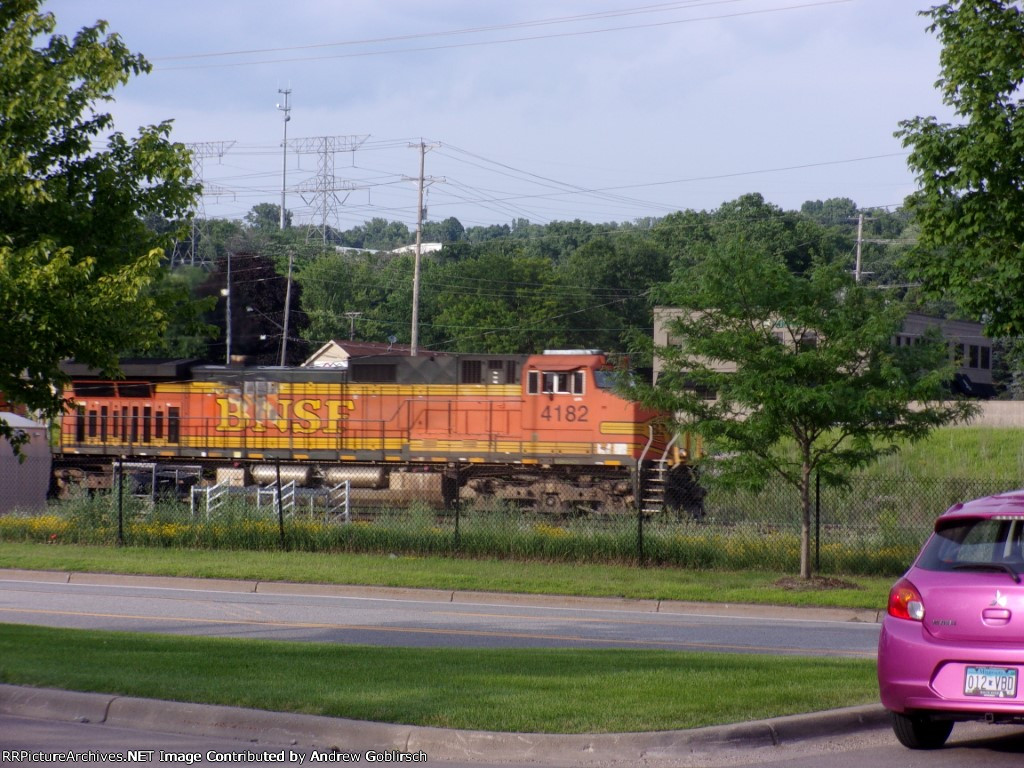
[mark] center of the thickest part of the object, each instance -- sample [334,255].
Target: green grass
[537,690]
[596,580]
[979,453]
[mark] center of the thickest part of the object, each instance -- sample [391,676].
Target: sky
[600,110]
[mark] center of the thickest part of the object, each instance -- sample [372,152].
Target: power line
[476,44]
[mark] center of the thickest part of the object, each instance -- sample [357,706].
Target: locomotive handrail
[647,447]
[668,449]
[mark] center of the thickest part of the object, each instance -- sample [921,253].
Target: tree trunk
[805,521]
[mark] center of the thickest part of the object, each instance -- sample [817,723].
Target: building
[24,484]
[967,344]
[336,354]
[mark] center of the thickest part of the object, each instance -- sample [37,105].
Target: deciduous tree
[970,205]
[76,256]
[801,366]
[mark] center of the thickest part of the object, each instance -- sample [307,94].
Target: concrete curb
[326,733]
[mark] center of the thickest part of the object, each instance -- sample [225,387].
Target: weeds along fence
[874,526]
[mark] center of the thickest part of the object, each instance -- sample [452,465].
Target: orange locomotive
[545,431]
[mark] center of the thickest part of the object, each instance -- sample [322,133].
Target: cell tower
[321,191]
[199,151]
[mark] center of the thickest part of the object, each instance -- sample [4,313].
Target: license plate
[990,682]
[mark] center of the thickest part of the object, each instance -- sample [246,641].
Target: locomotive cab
[570,407]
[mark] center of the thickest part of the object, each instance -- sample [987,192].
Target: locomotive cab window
[555,382]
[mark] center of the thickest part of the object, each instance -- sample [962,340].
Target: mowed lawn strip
[598,580]
[535,690]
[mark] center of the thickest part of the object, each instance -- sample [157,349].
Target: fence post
[120,501]
[458,508]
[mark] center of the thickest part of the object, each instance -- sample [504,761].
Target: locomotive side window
[576,384]
[533,382]
[555,383]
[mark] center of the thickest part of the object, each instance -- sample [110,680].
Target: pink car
[952,643]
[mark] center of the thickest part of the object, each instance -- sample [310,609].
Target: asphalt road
[33,723]
[424,618]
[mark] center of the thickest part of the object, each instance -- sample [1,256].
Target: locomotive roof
[136,368]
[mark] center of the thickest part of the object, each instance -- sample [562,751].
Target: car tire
[920,732]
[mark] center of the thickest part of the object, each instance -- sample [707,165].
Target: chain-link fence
[874,526]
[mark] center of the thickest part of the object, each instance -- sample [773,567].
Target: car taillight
[905,601]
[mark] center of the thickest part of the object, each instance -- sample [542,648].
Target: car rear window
[991,540]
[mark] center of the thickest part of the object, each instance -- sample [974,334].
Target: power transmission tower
[323,187]
[199,151]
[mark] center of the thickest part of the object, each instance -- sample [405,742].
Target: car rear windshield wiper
[988,567]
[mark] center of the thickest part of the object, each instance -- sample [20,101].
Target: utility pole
[227,319]
[284,148]
[352,317]
[415,334]
[287,310]
[860,239]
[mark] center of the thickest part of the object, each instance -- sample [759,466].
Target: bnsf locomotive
[543,431]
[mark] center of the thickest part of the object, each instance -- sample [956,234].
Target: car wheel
[920,732]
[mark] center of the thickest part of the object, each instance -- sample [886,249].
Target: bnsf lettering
[294,416]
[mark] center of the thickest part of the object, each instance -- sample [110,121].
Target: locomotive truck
[546,431]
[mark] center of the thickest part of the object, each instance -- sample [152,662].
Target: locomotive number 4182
[564,413]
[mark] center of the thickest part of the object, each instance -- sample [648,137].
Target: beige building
[967,343]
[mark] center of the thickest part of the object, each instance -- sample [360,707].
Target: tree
[970,205]
[267,216]
[690,237]
[616,275]
[257,292]
[76,256]
[806,378]
[500,301]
